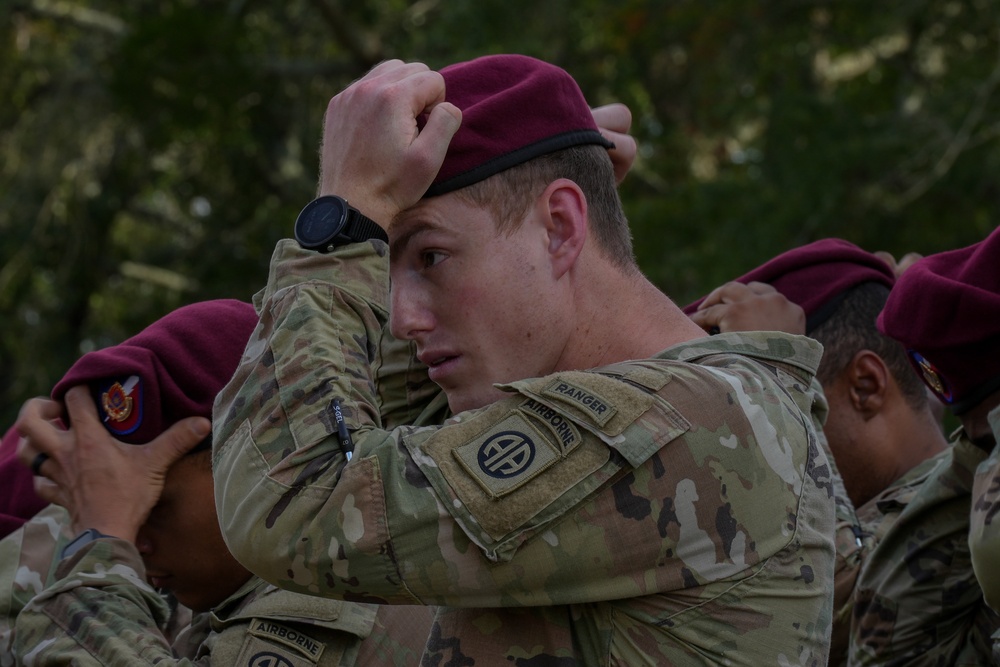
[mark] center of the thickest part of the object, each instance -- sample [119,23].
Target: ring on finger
[36,463]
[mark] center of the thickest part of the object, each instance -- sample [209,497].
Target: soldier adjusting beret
[171,370]
[946,310]
[514,109]
[817,276]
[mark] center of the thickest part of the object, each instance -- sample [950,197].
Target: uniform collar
[774,346]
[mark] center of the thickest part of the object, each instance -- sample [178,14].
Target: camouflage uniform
[663,511]
[852,540]
[96,607]
[27,566]
[917,600]
[984,527]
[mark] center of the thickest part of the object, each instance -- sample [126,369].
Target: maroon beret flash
[171,370]
[817,276]
[945,309]
[514,109]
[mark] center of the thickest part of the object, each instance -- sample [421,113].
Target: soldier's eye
[431,258]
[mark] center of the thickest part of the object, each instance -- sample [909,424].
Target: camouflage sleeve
[266,627]
[398,636]
[471,513]
[100,610]
[984,524]
[28,559]
[917,600]
[852,542]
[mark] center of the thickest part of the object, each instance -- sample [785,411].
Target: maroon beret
[18,501]
[817,276]
[945,309]
[171,370]
[514,109]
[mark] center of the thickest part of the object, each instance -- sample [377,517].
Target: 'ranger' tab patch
[507,455]
[592,403]
[282,634]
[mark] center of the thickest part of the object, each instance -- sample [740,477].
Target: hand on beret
[373,154]
[751,307]
[900,266]
[103,483]
[614,121]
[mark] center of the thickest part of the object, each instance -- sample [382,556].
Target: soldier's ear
[868,382]
[562,209]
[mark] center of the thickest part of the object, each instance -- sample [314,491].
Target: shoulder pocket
[272,604]
[524,462]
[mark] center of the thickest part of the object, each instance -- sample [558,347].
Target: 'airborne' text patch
[290,637]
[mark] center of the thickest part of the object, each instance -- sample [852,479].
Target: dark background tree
[152,152]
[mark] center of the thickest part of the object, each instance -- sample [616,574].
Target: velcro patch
[596,402]
[292,638]
[518,482]
[653,379]
[507,455]
[592,403]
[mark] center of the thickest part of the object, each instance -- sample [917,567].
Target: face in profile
[481,307]
[181,543]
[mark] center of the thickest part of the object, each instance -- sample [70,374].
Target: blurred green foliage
[153,151]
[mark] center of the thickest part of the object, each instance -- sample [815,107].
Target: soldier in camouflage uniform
[880,423]
[89,601]
[918,599]
[660,508]
[984,532]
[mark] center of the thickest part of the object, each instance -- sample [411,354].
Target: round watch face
[320,221]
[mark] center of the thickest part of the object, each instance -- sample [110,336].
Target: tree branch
[959,142]
[84,17]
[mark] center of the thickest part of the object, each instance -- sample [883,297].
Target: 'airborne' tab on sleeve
[603,404]
[271,643]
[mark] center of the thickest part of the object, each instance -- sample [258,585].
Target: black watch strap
[361,228]
[82,540]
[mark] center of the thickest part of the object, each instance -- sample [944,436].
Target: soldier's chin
[196,603]
[472,398]
[198,600]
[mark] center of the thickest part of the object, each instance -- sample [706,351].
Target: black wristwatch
[81,540]
[330,221]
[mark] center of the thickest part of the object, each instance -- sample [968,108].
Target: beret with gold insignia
[945,309]
[171,370]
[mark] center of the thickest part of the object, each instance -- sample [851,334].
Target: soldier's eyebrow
[403,231]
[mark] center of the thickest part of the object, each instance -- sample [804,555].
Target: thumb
[179,439]
[713,297]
